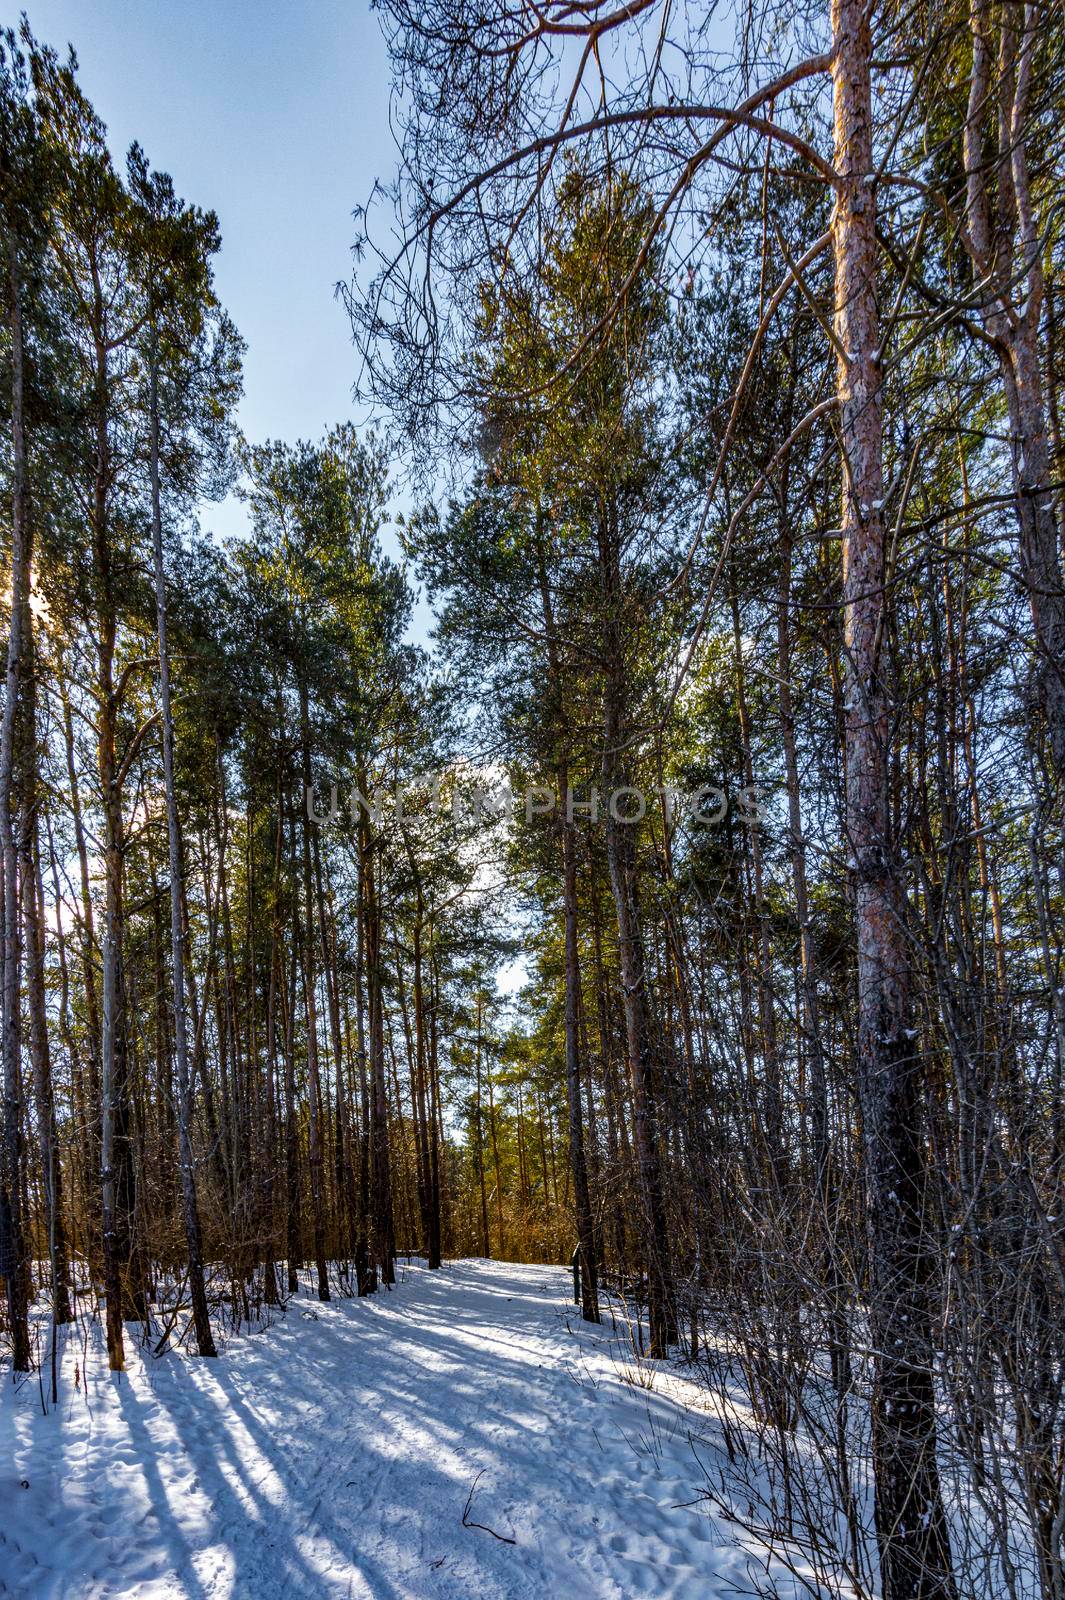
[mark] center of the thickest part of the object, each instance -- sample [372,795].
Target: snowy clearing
[333,1454]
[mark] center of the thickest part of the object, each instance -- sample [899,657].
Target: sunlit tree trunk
[314,1085]
[910,1521]
[13,1259]
[187,1171]
[578,1162]
[620,850]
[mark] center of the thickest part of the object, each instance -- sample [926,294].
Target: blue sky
[276,116]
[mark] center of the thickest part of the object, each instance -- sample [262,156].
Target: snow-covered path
[333,1454]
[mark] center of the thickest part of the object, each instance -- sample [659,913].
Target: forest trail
[333,1454]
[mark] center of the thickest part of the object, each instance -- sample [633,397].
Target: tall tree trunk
[123,1286]
[40,1051]
[314,1085]
[384,1239]
[326,925]
[620,850]
[268,1175]
[578,1163]
[427,1071]
[436,1115]
[486,1247]
[83,1166]
[87,939]
[772,1098]
[910,1521]
[1006,253]
[586,1241]
[421,1085]
[616,1137]
[365,1271]
[189,1206]
[14,1264]
[494,1141]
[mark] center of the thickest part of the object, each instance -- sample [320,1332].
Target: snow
[333,1454]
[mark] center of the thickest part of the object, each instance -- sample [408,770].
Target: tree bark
[384,1236]
[14,1262]
[620,850]
[189,1206]
[578,1163]
[910,1521]
[1006,254]
[314,1085]
[40,1052]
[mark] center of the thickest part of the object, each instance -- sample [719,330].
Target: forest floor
[334,1453]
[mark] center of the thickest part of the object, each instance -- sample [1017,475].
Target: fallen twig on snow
[504,1538]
